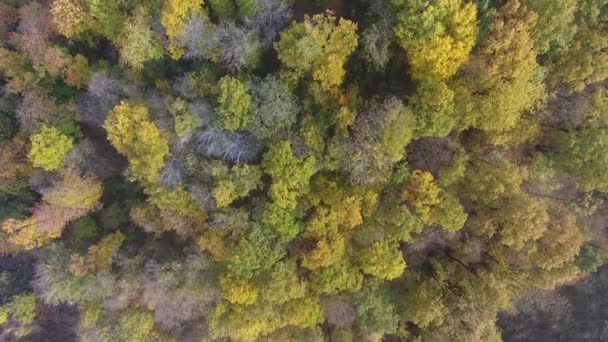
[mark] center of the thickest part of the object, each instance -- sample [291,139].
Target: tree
[23,234]
[376,312]
[588,259]
[422,301]
[107,17]
[503,79]
[78,72]
[284,284]
[237,184]
[584,61]
[281,221]
[234,147]
[290,175]
[433,105]
[555,27]
[69,16]
[381,133]
[35,29]
[180,291]
[74,191]
[138,42]
[65,200]
[21,308]
[234,102]
[199,39]
[99,257]
[581,155]
[341,276]
[270,19]
[318,48]
[274,108]
[437,37]
[240,48]
[422,194]
[238,290]
[173,18]
[223,9]
[133,134]
[256,253]
[49,148]
[382,260]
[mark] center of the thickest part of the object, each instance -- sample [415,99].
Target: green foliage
[376,312]
[318,48]
[234,102]
[107,17]
[138,42]
[274,109]
[22,308]
[582,155]
[335,278]
[85,228]
[290,175]
[382,260]
[585,60]
[433,105]
[49,148]
[281,221]
[238,183]
[225,9]
[555,28]
[589,259]
[255,253]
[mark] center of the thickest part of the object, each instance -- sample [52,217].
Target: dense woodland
[303,170]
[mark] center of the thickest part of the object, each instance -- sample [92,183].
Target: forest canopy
[297,170]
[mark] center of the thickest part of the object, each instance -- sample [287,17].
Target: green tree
[318,48]
[382,260]
[225,9]
[108,17]
[290,175]
[238,183]
[49,148]
[376,312]
[234,102]
[589,258]
[433,106]
[555,27]
[282,283]
[585,60]
[138,42]
[581,154]
[23,309]
[274,108]
[281,221]
[341,276]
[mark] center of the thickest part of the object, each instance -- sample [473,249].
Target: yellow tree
[69,16]
[503,80]
[133,134]
[436,35]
